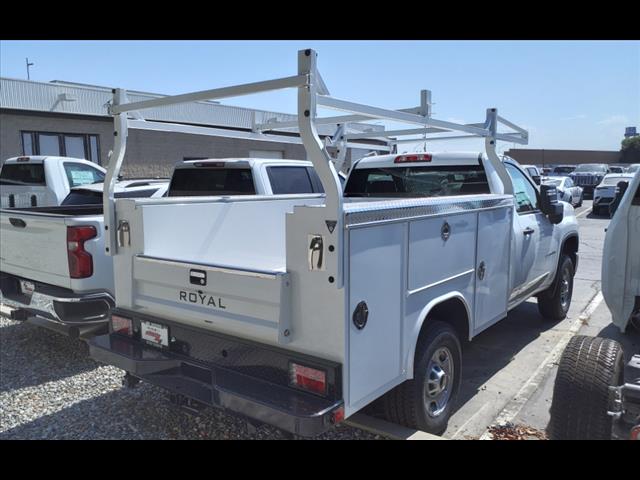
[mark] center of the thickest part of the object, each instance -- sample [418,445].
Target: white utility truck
[44,181]
[54,271]
[621,259]
[299,311]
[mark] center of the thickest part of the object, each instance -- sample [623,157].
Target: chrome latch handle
[124,234]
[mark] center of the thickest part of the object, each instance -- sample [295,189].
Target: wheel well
[570,247]
[453,312]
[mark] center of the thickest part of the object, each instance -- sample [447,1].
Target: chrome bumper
[56,304]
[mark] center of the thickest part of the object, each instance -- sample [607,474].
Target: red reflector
[121,325]
[635,433]
[338,415]
[420,157]
[80,261]
[308,378]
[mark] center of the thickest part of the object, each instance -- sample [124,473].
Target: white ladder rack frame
[312,93]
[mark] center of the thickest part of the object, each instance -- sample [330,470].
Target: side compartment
[492,267]
[376,279]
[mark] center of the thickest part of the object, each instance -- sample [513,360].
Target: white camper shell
[300,310]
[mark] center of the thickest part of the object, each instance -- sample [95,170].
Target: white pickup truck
[54,270]
[43,181]
[299,311]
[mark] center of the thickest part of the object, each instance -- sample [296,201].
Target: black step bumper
[284,407]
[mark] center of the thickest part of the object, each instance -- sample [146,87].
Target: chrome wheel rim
[565,290]
[439,382]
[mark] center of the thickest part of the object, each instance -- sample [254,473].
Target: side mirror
[536,179]
[549,203]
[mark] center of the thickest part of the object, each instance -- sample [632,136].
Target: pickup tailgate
[249,303]
[34,247]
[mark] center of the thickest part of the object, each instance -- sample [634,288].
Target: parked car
[54,270]
[605,192]
[616,169]
[589,175]
[534,172]
[546,171]
[562,170]
[567,191]
[621,260]
[633,168]
[43,181]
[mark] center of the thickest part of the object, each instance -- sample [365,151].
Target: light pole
[28,65]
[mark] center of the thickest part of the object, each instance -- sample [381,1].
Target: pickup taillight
[80,261]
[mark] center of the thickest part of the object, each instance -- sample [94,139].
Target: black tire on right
[581,395]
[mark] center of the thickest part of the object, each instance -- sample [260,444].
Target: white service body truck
[621,259]
[54,270]
[299,311]
[43,181]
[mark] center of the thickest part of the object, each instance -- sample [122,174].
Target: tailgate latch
[124,234]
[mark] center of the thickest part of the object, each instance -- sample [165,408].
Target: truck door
[533,232]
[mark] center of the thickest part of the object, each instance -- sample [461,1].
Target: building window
[74,145]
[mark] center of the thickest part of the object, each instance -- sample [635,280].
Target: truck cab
[44,181]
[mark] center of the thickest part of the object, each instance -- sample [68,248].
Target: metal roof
[81,99]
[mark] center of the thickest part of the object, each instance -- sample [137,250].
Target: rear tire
[426,401]
[581,396]
[554,303]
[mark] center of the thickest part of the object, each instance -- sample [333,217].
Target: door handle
[17,222]
[528,231]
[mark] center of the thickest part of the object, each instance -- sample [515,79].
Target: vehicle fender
[422,317]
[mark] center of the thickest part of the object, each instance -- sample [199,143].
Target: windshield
[31,174]
[548,181]
[563,169]
[417,181]
[591,168]
[614,180]
[189,182]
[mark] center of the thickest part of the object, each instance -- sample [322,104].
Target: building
[70,119]
[544,158]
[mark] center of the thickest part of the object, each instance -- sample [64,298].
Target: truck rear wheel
[554,302]
[581,395]
[426,401]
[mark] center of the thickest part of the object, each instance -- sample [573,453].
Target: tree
[630,150]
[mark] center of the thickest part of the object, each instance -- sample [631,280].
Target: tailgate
[251,304]
[34,247]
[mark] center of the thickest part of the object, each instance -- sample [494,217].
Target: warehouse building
[70,119]
[546,158]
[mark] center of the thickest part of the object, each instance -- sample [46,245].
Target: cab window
[525,193]
[79,174]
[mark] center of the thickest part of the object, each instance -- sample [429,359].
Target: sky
[568,94]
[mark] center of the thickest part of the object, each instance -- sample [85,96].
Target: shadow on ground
[31,355]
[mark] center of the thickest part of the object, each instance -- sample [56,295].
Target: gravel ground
[51,389]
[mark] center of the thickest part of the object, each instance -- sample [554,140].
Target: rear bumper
[214,385]
[55,304]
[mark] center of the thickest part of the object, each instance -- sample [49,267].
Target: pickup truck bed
[35,268]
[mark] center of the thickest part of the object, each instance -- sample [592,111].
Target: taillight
[121,325]
[635,433]
[80,261]
[308,378]
[421,157]
[338,415]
